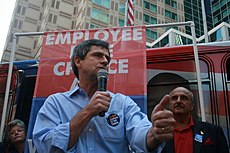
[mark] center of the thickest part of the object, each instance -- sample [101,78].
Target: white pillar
[204,21]
[172,39]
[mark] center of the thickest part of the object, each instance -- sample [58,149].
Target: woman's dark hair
[83,48]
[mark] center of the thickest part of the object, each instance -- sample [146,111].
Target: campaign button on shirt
[113,119]
[198,138]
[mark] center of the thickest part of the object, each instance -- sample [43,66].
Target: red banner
[127,68]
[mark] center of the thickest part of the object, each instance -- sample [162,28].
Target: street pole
[204,21]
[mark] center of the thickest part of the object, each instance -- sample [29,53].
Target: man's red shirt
[183,138]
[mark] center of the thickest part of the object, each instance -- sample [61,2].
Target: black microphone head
[102,76]
[102,73]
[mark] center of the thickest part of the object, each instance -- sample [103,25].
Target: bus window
[228,69]
[225,116]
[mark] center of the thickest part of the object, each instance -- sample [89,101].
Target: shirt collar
[190,125]
[76,89]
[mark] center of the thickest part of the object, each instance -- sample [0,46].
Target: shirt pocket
[114,130]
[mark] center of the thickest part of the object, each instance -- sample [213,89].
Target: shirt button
[90,148]
[90,130]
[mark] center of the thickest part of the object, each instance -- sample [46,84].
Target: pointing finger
[164,101]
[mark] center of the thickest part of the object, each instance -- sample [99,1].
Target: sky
[6,11]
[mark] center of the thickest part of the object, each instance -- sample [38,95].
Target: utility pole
[204,21]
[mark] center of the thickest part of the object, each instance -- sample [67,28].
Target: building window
[174,16]
[101,16]
[112,5]
[167,2]
[116,6]
[150,19]
[17,24]
[93,26]
[21,10]
[151,34]
[73,25]
[52,4]
[215,7]
[74,10]
[43,3]
[172,3]
[55,19]
[151,7]
[222,2]
[225,13]
[171,15]
[40,17]
[104,3]
[122,8]
[57,5]
[121,22]
[217,19]
[167,13]
[52,18]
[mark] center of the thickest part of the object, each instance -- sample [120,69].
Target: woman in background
[16,136]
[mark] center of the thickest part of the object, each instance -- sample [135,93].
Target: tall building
[53,15]
[35,16]
[220,11]
[193,12]
[111,13]
[25,18]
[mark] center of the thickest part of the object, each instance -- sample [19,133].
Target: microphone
[102,77]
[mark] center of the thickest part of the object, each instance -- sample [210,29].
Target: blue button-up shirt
[124,125]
